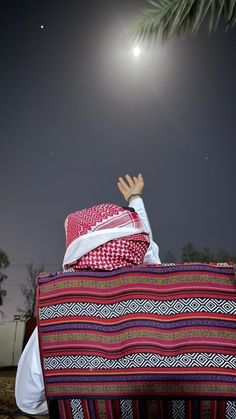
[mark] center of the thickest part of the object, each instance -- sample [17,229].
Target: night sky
[78,110]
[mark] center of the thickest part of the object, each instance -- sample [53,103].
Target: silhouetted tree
[29,289]
[206,256]
[4,263]
[224,256]
[176,17]
[190,253]
[168,257]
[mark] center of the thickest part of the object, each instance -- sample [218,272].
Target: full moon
[136,51]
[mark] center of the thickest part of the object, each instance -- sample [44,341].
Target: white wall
[11,341]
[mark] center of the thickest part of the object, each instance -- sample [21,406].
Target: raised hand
[130,185]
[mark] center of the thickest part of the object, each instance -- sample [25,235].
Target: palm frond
[181,15]
[201,12]
[212,15]
[219,13]
[228,9]
[230,13]
[175,17]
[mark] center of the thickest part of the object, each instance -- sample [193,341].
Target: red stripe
[136,371]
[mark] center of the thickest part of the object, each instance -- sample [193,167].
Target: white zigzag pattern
[126,407]
[178,409]
[230,410]
[77,409]
[185,305]
[141,360]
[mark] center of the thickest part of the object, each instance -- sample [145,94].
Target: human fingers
[129,180]
[140,179]
[123,184]
[121,189]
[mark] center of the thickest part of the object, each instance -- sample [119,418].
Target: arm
[152,254]
[29,388]
[131,190]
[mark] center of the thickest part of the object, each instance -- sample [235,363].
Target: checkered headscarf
[104,237]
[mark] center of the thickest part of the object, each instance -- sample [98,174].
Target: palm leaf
[203,9]
[230,8]
[212,15]
[175,17]
[180,17]
[167,24]
[230,14]
[219,13]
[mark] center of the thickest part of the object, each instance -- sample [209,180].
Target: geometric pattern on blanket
[145,408]
[151,333]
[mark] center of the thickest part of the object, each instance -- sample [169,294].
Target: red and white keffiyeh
[104,237]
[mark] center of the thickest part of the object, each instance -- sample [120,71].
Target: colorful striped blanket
[148,336]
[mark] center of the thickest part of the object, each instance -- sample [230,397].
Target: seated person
[104,237]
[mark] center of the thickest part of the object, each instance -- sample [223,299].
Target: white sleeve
[152,254]
[29,388]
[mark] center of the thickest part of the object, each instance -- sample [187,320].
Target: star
[41,26]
